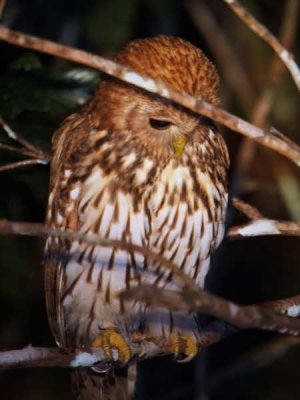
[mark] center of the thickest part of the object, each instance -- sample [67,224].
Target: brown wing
[68,142]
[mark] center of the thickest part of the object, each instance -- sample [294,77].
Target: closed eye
[159,124]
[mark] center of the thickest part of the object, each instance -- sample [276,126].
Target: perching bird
[134,167]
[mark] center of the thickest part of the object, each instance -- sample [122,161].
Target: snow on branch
[277,316]
[141,347]
[259,225]
[267,316]
[276,143]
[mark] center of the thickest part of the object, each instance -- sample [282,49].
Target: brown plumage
[134,167]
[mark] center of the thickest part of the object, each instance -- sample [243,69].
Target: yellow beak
[178,144]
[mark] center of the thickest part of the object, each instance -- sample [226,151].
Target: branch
[144,347]
[197,105]
[261,226]
[265,227]
[56,357]
[287,37]
[200,301]
[222,49]
[286,57]
[141,348]
[250,211]
[190,300]
[267,96]
[36,229]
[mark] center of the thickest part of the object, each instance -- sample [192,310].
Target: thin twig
[28,148]
[267,96]
[19,150]
[21,164]
[286,57]
[226,57]
[250,211]
[123,73]
[287,38]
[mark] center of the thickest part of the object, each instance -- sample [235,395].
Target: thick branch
[56,357]
[142,348]
[261,316]
[244,317]
[123,73]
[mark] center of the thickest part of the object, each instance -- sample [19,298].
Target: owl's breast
[187,219]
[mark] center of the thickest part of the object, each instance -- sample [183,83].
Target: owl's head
[151,121]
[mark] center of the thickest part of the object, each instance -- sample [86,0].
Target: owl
[135,167]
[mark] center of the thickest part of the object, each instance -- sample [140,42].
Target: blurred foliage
[28,86]
[37,92]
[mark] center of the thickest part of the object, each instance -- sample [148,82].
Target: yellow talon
[175,344]
[191,347]
[110,339]
[184,346]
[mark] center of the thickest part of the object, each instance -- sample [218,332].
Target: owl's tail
[90,385]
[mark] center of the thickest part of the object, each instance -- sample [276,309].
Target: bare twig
[267,96]
[226,58]
[20,164]
[120,72]
[250,211]
[286,57]
[287,37]
[190,301]
[27,147]
[14,149]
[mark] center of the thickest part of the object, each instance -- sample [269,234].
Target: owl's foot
[184,346]
[114,345]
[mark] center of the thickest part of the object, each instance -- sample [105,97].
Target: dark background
[37,92]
